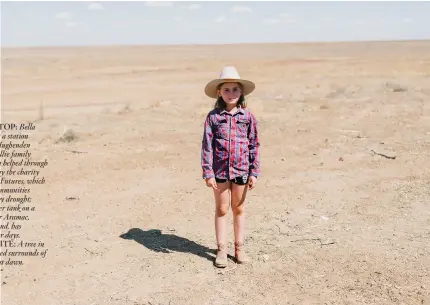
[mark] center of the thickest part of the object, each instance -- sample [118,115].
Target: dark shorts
[238,180]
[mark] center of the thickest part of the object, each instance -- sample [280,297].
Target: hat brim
[211,87]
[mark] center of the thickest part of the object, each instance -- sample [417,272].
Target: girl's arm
[254,144]
[207,150]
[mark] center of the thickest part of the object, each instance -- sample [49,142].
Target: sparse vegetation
[394,87]
[125,109]
[68,136]
[41,111]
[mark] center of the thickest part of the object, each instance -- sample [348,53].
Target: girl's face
[230,93]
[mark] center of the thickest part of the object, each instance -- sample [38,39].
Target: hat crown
[229,72]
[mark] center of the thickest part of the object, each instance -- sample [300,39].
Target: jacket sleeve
[207,150]
[254,148]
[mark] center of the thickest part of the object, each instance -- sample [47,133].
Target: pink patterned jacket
[230,146]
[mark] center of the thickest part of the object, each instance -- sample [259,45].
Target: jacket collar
[239,110]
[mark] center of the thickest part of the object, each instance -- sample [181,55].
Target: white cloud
[220,19]
[288,18]
[407,20]
[271,20]
[95,7]
[194,7]
[178,19]
[63,15]
[241,9]
[159,3]
[71,24]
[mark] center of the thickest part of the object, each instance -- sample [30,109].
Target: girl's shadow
[156,241]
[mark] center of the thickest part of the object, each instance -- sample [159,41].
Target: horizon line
[210,44]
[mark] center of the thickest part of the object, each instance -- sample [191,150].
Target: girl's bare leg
[222,200]
[238,195]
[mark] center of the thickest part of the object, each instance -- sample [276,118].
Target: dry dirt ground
[127,219]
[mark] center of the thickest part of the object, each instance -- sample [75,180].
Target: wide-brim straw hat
[228,74]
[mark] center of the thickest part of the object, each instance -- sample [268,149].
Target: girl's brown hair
[220,103]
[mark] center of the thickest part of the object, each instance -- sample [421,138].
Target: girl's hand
[252,182]
[210,182]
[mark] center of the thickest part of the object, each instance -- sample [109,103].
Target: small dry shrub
[68,136]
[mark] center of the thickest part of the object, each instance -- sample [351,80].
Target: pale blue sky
[105,22]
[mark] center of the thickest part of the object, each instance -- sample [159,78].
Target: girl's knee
[238,209]
[221,210]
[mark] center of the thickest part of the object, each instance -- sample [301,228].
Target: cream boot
[221,256]
[239,253]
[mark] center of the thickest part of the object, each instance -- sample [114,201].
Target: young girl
[230,156]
